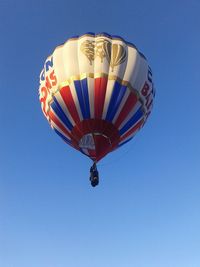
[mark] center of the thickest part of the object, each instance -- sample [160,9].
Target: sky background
[146,210]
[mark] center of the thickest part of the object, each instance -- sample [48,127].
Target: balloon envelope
[96,91]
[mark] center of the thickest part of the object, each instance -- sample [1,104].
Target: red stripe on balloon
[69,102]
[128,106]
[99,96]
[58,123]
[132,130]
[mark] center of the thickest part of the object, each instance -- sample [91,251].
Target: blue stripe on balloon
[125,142]
[63,137]
[116,98]
[133,120]
[83,97]
[85,90]
[60,113]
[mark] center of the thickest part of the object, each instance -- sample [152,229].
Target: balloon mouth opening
[98,137]
[95,144]
[88,140]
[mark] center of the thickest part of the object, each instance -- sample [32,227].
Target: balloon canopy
[96,91]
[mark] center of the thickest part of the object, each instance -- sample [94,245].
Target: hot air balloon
[96,92]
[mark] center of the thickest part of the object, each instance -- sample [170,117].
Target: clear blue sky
[146,210]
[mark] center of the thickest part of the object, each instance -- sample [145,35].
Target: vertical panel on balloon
[101,63]
[70,59]
[99,95]
[118,59]
[60,114]
[133,120]
[63,105]
[133,109]
[115,101]
[83,97]
[75,100]
[56,123]
[127,109]
[68,99]
[133,66]
[109,91]
[85,52]
[141,75]
[91,86]
[59,65]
